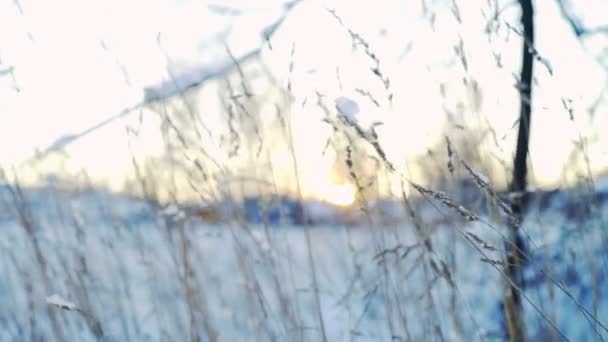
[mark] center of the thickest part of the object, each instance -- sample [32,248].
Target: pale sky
[76,63]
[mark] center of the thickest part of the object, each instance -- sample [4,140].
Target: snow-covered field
[100,266]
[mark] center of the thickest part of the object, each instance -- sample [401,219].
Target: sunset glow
[73,89]
[341,195]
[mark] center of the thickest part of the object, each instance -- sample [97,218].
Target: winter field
[293,170]
[96,266]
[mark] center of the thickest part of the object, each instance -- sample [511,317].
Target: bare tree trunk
[515,246]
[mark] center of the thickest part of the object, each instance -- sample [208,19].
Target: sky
[76,63]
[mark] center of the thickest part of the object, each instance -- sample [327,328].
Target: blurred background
[302,170]
[101,88]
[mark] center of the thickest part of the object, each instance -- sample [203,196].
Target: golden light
[341,195]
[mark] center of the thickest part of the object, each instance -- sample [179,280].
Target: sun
[341,195]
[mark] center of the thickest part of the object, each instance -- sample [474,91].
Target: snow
[125,269]
[170,210]
[60,302]
[127,263]
[347,107]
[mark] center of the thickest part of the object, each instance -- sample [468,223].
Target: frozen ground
[112,268]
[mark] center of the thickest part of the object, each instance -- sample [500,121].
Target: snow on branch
[180,84]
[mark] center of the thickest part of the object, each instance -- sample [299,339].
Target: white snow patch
[57,300]
[347,107]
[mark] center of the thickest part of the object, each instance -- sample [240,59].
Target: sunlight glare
[341,195]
